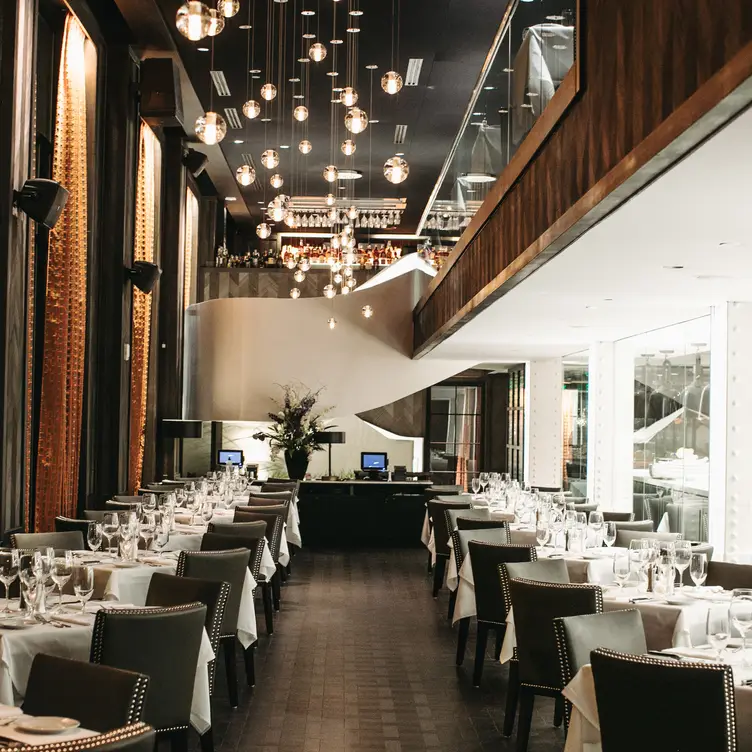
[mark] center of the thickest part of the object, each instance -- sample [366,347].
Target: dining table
[12,720]
[68,635]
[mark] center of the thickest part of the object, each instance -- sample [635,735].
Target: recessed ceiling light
[266,120]
[353,30]
[202,49]
[489,88]
[350,175]
[284,146]
[400,154]
[294,80]
[478,177]
[260,203]
[238,141]
[356,12]
[230,198]
[335,41]
[372,67]
[245,27]
[508,70]
[337,89]
[342,187]
[608,300]
[335,101]
[255,70]
[332,73]
[373,122]
[303,60]
[307,12]
[309,36]
[256,77]
[298,96]
[503,111]
[477,114]
[590,307]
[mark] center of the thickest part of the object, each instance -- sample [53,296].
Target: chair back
[258,499]
[94,515]
[436,511]
[162,643]
[486,557]
[461,538]
[463,523]
[121,503]
[671,694]
[272,485]
[255,544]
[618,516]
[230,566]
[70,540]
[729,576]
[467,514]
[543,570]
[253,529]
[274,517]
[100,697]
[587,508]
[578,636]
[139,737]
[536,605]
[67,524]
[624,537]
[638,526]
[161,488]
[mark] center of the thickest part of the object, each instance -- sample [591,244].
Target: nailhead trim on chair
[728,682]
[503,572]
[137,702]
[91,742]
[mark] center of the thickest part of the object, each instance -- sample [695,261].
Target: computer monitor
[373,461]
[233,456]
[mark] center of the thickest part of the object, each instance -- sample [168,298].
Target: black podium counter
[364,513]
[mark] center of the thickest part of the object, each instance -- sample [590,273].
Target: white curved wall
[239,349]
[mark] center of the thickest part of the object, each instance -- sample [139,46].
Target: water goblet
[9,563]
[622,567]
[483,478]
[717,629]
[475,484]
[740,615]
[83,585]
[62,571]
[110,527]
[94,536]
[595,523]
[149,503]
[682,559]
[698,569]
[609,533]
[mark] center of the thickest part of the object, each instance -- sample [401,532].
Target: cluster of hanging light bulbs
[196,20]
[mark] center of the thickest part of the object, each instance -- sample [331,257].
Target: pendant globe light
[210,128]
[290,220]
[270,159]
[331,173]
[228,8]
[263,230]
[352,213]
[216,23]
[245,175]
[333,215]
[304,265]
[268,92]
[251,109]
[396,170]
[367,311]
[294,293]
[337,278]
[348,96]
[332,322]
[345,290]
[299,276]
[391,82]
[335,242]
[276,211]
[348,147]
[356,120]
[300,113]
[305,147]
[317,52]
[193,19]
[276,180]
[330,291]
[330,199]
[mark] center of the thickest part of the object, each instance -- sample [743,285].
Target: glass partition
[671,431]
[534,53]
[574,424]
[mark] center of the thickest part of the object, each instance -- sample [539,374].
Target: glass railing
[533,52]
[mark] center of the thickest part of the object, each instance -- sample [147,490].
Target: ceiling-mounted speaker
[144,275]
[42,200]
[195,162]
[161,100]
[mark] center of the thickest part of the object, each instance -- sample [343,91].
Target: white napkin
[79,621]
[693,653]
[9,711]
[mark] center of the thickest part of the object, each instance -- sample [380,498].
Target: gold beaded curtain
[147,188]
[58,450]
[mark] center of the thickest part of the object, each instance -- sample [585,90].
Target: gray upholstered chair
[578,636]
[536,605]
[164,644]
[729,576]
[671,695]
[101,698]
[624,537]
[467,514]
[94,515]
[71,540]
[638,526]
[618,516]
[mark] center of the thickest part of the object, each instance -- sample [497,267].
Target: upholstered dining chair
[71,540]
[536,605]
[584,507]
[170,590]
[94,515]
[544,570]
[436,510]
[683,705]
[467,514]
[637,526]
[260,499]
[618,516]
[66,524]
[121,503]
[248,535]
[625,537]
[228,566]
[729,576]
[138,737]
[491,609]
[164,644]
[101,698]
[465,523]
[272,486]
[578,636]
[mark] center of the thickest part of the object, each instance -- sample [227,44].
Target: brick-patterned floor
[362,659]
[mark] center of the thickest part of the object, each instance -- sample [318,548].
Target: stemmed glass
[110,528]
[740,614]
[542,526]
[94,536]
[207,511]
[149,503]
[161,536]
[622,567]
[717,629]
[147,529]
[83,585]
[62,571]
[475,484]
[9,561]
[595,523]
[483,478]
[682,559]
[29,588]
[698,569]
[609,533]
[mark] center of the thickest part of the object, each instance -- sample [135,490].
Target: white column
[730,514]
[610,425]
[543,423]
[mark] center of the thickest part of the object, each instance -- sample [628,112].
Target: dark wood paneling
[496,418]
[649,72]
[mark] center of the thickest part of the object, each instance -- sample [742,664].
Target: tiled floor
[362,659]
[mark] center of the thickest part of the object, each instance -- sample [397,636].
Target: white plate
[14,622]
[678,600]
[46,724]
[125,564]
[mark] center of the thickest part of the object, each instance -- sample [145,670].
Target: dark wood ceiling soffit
[657,79]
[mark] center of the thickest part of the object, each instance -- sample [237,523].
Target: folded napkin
[694,653]
[10,711]
[79,621]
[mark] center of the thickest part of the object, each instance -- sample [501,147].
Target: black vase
[297,464]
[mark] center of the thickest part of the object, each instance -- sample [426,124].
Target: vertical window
[516,424]
[190,248]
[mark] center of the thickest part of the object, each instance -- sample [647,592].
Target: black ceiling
[451,36]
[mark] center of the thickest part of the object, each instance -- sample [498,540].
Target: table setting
[28,730]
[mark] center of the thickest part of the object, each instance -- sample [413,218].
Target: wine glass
[161,536]
[717,629]
[542,526]
[146,529]
[609,533]
[595,523]
[483,478]
[682,559]
[740,614]
[475,483]
[9,561]
[29,589]
[44,558]
[698,568]
[207,512]
[110,528]
[94,536]
[83,585]
[622,567]
[62,571]
[149,503]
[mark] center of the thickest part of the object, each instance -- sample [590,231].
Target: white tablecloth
[18,648]
[9,732]
[584,727]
